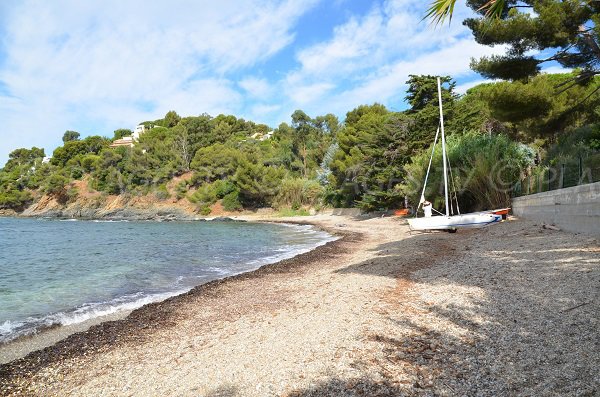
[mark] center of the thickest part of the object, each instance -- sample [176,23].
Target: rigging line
[450,172]
[453,188]
[428,169]
[433,209]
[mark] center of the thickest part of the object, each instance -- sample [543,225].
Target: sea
[60,272]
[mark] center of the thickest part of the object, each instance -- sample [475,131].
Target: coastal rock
[117,208]
[226,219]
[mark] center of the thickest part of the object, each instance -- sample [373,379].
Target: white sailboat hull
[465,221]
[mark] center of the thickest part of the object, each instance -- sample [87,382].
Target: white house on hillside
[130,140]
[139,130]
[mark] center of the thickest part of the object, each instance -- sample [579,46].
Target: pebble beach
[510,310]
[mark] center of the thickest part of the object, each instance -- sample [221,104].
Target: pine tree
[537,32]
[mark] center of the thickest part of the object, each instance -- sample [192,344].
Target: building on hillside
[46,160]
[130,140]
[125,141]
[261,137]
[266,136]
[139,130]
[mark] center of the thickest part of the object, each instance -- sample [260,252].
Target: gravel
[509,310]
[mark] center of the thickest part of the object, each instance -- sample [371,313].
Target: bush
[485,169]
[580,142]
[90,162]
[297,192]
[223,188]
[14,199]
[181,190]
[72,194]
[287,212]
[204,197]
[231,201]
[204,209]
[258,184]
[56,184]
[76,173]
[162,193]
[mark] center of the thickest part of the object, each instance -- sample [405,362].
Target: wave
[11,330]
[218,270]
[289,252]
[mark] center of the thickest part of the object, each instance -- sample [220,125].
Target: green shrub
[205,194]
[76,173]
[90,162]
[14,199]
[297,192]
[56,184]
[581,142]
[485,169]
[72,194]
[288,212]
[231,201]
[204,209]
[162,193]
[181,190]
[223,188]
[258,184]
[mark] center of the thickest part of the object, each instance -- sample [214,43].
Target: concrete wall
[576,209]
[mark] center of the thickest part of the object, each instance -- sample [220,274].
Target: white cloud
[97,66]
[256,87]
[68,63]
[556,69]
[262,110]
[369,58]
[302,95]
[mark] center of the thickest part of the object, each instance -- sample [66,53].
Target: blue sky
[95,66]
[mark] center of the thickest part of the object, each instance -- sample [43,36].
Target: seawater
[59,272]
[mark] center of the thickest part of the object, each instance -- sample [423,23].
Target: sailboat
[447,221]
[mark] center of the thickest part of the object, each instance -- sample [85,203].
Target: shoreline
[506,310]
[23,345]
[67,342]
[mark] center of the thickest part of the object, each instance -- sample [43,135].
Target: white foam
[12,330]
[218,270]
[288,253]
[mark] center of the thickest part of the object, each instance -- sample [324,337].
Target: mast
[439,84]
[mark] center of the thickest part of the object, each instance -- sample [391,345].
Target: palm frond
[493,8]
[440,10]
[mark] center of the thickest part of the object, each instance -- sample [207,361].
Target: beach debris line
[550,227]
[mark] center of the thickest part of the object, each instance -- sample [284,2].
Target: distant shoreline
[27,345]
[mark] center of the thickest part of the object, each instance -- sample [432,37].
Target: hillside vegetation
[526,124]
[374,159]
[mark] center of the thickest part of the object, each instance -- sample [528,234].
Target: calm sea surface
[64,272]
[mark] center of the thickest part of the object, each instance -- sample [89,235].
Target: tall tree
[69,136]
[121,132]
[171,119]
[537,32]
[23,156]
[422,95]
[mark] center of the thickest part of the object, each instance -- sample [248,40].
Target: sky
[96,66]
